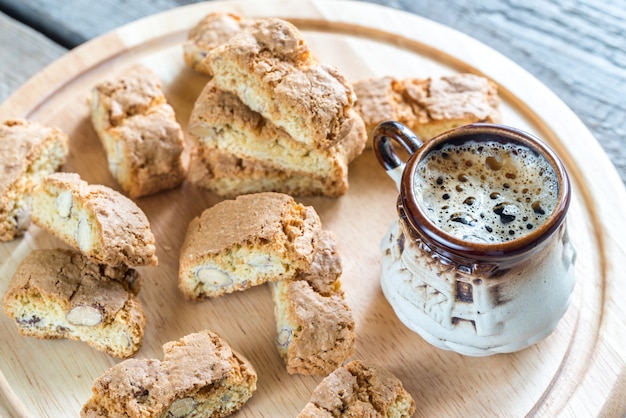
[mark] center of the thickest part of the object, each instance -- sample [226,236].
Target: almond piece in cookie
[212,31]
[428,106]
[139,132]
[60,293]
[272,70]
[28,153]
[359,390]
[245,242]
[314,323]
[101,223]
[200,376]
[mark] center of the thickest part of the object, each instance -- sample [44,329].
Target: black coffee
[486,191]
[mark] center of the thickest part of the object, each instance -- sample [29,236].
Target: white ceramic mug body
[462,301]
[502,315]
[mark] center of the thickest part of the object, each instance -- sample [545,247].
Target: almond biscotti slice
[58,293]
[229,176]
[272,70]
[245,242]
[359,390]
[200,376]
[222,122]
[314,323]
[101,223]
[428,106]
[28,152]
[213,30]
[139,132]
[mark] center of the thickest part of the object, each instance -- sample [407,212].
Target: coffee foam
[486,191]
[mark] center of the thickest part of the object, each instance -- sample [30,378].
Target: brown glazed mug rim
[466,251]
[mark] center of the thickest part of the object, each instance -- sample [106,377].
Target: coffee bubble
[486,191]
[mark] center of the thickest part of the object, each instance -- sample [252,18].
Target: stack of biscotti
[28,152]
[88,293]
[139,132]
[272,118]
[428,106]
[269,238]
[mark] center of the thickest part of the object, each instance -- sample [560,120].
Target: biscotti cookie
[101,223]
[229,176]
[215,29]
[28,153]
[60,293]
[428,106]
[139,132]
[314,323]
[359,390]
[200,376]
[223,123]
[245,242]
[271,69]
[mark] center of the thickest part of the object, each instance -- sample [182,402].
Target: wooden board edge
[53,75]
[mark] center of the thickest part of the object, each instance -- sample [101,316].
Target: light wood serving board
[577,371]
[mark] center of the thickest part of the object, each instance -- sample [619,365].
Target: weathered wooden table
[574,48]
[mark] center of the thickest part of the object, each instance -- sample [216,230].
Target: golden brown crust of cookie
[245,242]
[272,70]
[315,327]
[139,132]
[324,336]
[428,106]
[254,219]
[357,390]
[213,30]
[129,95]
[28,152]
[57,293]
[326,268]
[229,176]
[118,230]
[199,374]
[123,389]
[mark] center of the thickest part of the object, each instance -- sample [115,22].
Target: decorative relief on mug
[479,260]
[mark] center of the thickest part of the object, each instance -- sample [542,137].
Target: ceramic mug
[479,260]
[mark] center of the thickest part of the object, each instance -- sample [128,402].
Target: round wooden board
[577,371]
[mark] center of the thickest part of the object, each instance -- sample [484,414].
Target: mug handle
[382,135]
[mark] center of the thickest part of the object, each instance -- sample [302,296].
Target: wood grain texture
[575,47]
[577,371]
[35,52]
